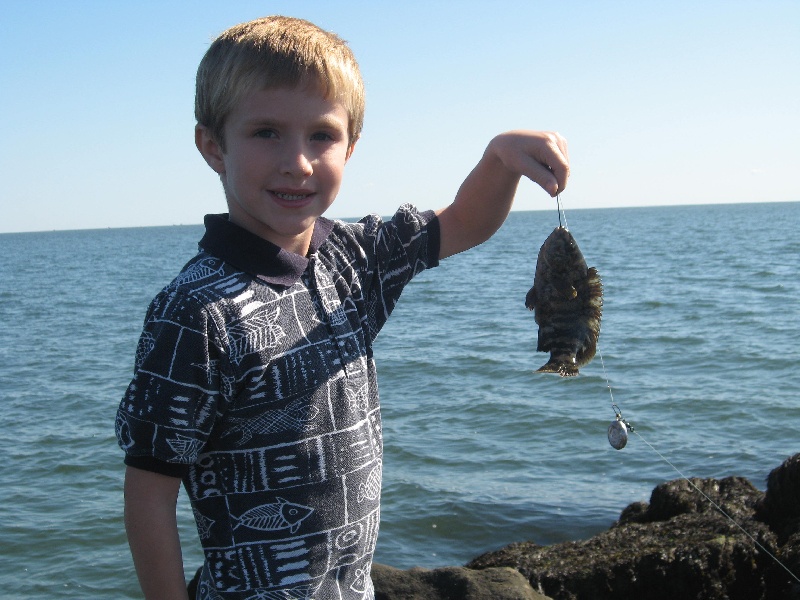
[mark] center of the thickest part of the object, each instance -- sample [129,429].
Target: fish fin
[595,284]
[544,339]
[586,354]
[530,298]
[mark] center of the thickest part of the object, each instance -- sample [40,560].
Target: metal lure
[617,434]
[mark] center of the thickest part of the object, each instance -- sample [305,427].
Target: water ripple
[699,342]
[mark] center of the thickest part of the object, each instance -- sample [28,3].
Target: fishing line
[719,508]
[560,209]
[622,425]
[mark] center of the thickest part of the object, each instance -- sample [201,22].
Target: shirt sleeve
[402,247]
[168,410]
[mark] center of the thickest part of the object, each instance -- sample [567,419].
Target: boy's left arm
[485,198]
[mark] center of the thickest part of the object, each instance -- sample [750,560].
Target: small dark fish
[567,300]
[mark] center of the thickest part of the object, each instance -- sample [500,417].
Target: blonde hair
[276,52]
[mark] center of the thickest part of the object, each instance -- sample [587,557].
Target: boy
[254,383]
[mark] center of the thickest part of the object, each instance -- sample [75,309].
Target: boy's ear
[351,148]
[209,148]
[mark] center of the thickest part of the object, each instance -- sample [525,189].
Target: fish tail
[560,367]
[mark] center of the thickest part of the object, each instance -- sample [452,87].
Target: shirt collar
[255,255]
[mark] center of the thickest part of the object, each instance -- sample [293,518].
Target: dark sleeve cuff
[148,463]
[434,238]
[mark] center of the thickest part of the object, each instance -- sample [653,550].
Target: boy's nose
[296,163]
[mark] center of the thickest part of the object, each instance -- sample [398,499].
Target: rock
[736,495]
[679,545]
[780,507]
[451,583]
[690,556]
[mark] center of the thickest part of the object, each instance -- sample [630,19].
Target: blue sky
[661,102]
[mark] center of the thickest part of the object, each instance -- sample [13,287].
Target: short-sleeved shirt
[255,383]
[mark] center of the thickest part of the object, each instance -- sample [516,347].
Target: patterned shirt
[255,383]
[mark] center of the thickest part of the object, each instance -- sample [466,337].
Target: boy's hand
[541,156]
[485,198]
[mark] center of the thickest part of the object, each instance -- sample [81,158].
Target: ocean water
[699,342]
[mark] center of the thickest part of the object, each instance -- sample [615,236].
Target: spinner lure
[618,430]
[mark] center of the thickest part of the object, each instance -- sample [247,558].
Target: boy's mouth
[291,197]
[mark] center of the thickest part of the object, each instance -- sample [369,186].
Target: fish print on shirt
[371,488]
[146,344]
[202,269]
[258,332]
[272,517]
[295,417]
[204,524]
[185,447]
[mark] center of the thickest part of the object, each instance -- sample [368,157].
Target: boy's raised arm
[485,198]
[152,528]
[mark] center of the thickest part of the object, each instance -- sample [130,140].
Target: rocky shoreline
[678,545]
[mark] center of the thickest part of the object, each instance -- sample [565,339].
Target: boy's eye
[265,133]
[321,137]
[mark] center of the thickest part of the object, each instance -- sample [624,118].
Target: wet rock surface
[679,545]
[451,583]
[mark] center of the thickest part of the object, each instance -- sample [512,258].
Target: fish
[371,488]
[296,416]
[567,300]
[276,516]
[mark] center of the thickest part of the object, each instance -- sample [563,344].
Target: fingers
[564,156]
[541,156]
[555,159]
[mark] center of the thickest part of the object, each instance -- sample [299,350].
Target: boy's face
[286,149]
